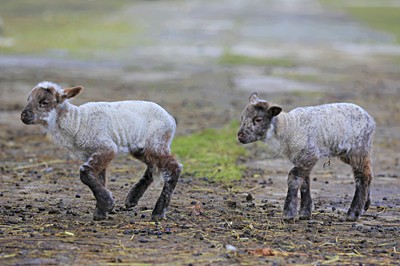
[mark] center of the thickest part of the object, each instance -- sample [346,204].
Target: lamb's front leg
[139,188]
[306,201]
[92,174]
[294,181]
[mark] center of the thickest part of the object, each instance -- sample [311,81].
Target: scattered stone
[231,204]
[54,211]
[249,197]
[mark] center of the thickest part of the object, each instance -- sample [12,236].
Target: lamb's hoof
[352,216]
[304,215]
[105,202]
[158,216]
[99,215]
[130,205]
[289,215]
[367,204]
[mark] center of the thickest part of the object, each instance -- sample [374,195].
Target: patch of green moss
[229,58]
[212,153]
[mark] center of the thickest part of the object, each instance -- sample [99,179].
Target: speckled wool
[125,126]
[325,130]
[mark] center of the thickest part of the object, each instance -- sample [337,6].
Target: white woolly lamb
[95,132]
[307,134]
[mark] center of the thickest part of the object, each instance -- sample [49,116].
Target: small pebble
[249,197]
[127,232]
[231,248]
[77,196]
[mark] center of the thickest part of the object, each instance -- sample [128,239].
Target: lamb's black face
[254,124]
[256,119]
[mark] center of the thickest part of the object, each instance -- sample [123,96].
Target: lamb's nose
[241,136]
[26,116]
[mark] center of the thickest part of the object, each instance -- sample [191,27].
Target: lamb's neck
[64,121]
[275,133]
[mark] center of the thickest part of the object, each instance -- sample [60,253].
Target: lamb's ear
[253,97]
[68,93]
[72,92]
[274,110]
[255,101]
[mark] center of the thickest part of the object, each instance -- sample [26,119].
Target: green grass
[228,58]
[80,28]
[212,153]
[384,18]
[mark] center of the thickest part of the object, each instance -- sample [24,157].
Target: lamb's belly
[126,144]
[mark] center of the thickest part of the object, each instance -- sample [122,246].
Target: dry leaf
[262,252]
[197,209]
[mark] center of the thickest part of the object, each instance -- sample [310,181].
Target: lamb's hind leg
[363,175]
[139,188]
[170,169]
[92,174]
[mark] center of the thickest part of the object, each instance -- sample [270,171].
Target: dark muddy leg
[170,170]
[363,176]
[306,201]
[299,177]
[139,188]
[102,177]
[294,181]
[92,174]
[368,202]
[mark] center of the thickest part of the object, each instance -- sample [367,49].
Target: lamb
[306,134]
[95,132]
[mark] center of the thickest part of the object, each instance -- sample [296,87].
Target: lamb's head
[256,119]
[45,98]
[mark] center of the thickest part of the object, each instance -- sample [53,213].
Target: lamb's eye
[257,120]
[43,103]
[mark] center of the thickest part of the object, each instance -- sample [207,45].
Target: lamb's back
[328,130]
[128,124]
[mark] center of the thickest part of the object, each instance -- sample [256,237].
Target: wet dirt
[46,212]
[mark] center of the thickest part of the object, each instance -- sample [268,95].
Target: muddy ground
[46,212]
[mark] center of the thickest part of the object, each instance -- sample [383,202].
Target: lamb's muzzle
[27,117]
